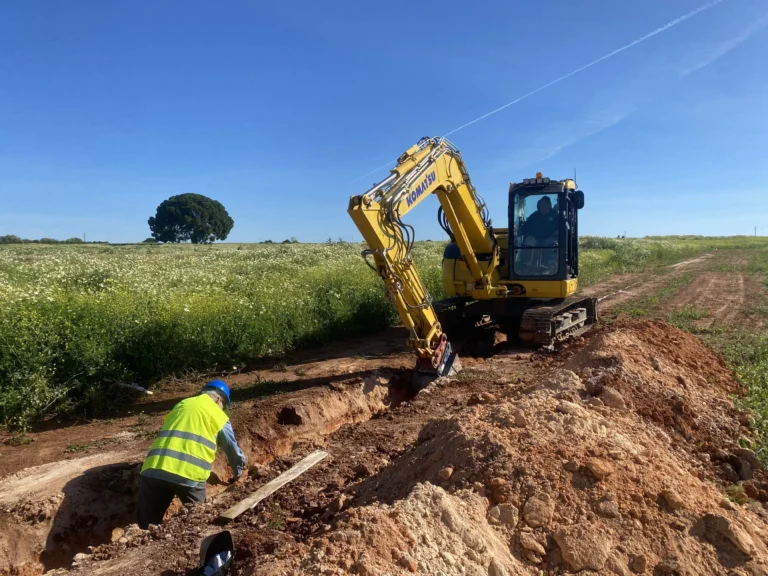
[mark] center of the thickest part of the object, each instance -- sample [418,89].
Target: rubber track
[536,323]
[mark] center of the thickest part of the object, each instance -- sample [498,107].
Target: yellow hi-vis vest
[186,446]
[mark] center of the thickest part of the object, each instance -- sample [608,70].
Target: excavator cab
[543,229]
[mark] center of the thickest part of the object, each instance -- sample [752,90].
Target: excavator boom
[432,166]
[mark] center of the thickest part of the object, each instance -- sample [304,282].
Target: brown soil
[625,287]
[725,297]
[611,455]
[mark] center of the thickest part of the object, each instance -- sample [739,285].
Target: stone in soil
[538,511]
[584,546]
[528,542]
[639,563]
[600,469]
[613,398]
[673,499]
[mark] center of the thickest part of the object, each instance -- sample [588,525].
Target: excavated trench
[50,513]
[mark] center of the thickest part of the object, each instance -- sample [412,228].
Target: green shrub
[77,318]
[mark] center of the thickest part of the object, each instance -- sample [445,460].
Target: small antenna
[574,173]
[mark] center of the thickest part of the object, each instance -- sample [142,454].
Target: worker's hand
[240,479]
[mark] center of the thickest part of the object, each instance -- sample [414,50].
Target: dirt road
[612,454]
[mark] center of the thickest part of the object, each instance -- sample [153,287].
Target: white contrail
[666,26]
[389,163]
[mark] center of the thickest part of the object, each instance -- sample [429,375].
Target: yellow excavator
[522,277]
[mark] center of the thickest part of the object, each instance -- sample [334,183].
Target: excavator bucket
[444,362]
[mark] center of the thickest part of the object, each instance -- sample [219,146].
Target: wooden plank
[272,486]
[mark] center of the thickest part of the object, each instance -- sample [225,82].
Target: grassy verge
[77,318]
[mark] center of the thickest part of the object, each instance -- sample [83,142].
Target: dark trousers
[155,495]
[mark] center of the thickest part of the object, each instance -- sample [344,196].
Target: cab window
[537,226]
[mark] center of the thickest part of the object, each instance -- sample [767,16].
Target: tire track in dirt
[721,295]
[627,287]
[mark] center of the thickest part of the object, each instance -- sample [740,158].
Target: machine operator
[541,227]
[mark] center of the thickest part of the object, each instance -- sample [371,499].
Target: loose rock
[496,569]
[363,469]
[528,542]
[616,565]
[608,508]
[746,462]
[673,499]
[584,547]
[594,385]
[482,398]
[538,510]
[668,566]
[408,563]
[565,407]
[445,473]
[719,528]
[571,466]
[599,468]
[118,533]
[612,398]
[338,504]
[508,514]
[639,564]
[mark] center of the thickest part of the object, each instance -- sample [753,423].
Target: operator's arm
[235,456]
[530,225]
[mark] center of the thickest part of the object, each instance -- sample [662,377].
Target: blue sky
[108,108]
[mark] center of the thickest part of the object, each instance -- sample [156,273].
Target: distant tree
[190,217]
[74,241]
[149,241]
[293,240]
[10,239]
[267,242]
[285,242]
[48,241]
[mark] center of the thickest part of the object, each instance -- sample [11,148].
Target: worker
[540,229]
[179,460]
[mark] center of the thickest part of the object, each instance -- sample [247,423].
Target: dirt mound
[430,531]
[605,473]
[612,456]
[671,379]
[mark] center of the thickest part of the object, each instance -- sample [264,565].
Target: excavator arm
[432,166]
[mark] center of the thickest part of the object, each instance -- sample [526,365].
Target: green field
[76,318]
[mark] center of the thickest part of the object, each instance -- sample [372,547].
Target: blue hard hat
[220,386]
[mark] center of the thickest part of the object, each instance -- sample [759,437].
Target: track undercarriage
[530,322]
